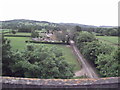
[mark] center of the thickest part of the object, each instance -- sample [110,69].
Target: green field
[19,43]
[110,39]
[5,30]
[18,33]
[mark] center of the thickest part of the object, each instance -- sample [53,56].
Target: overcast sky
[89,12]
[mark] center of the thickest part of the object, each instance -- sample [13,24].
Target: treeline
[104,57]
[100,31]
[35,62]
[106,31]
[113,31]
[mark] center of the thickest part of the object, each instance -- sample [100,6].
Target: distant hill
[71,26]
[27,24]
[107,26]
[24,25]
[16,23]
[25,21]
[76,24]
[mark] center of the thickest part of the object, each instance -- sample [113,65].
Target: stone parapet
[16,82]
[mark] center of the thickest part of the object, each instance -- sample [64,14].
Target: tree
[25,28]
[108,65]
[42,62]
[82,38]
[34,34]
[67,38]
[78,28]
[6,57]
[86,37]
[56,29]
[113,32]
[95,48]
[62,36]
[13,32]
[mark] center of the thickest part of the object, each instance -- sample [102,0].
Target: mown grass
[109,43]
[19,33]
[19,43]
[5,30]
[111,39]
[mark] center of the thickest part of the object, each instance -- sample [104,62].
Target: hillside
[19,22]
[28,25]
[35,21]
[24,25]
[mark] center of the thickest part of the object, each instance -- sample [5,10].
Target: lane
[90,71]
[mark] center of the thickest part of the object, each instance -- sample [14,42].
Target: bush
[34,34]
[13,32]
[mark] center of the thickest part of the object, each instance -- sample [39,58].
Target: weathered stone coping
[59,82]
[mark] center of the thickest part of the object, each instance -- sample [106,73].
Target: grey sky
[90,12]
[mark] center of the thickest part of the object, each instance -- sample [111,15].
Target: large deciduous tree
[78,28]
[34,34]
[82,38]
[6,57]
[42,62]
[93,49]
[108,64]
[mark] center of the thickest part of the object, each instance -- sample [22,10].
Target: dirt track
[87,68]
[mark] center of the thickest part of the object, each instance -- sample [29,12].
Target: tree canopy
[36,62]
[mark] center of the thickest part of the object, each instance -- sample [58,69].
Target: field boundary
[17,35]
[61,43]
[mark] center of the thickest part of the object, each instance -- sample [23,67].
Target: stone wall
[15,82]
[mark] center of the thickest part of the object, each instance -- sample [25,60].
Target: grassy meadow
[18,42]
[5,30]
[111,40]
[19,33]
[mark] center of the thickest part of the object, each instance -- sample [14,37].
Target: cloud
[92,12]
